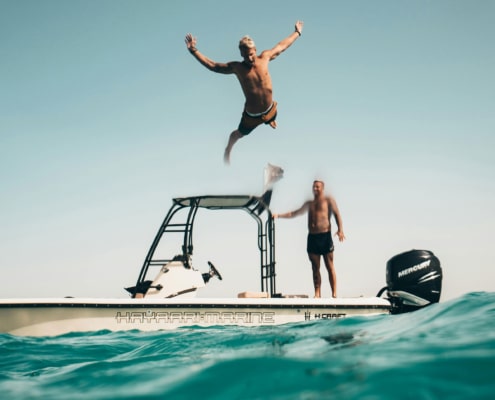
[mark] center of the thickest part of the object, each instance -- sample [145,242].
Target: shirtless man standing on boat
[255,81]
[320,242]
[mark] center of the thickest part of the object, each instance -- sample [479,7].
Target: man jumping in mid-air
[255,81]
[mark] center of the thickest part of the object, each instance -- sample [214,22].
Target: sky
[105,117]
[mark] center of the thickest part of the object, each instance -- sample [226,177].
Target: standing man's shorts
[250,121]
[320,243]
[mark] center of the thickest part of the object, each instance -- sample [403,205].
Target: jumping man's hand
[190,41]
[299,27]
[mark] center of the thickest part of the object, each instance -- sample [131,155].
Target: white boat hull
[50,317]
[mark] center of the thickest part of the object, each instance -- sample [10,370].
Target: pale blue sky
[104,117]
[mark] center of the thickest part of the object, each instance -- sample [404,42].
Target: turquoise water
[444,351]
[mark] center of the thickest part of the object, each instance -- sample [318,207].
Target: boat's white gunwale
[354,302]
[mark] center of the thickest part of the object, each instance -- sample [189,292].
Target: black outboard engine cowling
[414,280]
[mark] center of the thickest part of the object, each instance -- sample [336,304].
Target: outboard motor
[414,280]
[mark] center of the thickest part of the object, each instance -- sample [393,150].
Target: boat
[165,293]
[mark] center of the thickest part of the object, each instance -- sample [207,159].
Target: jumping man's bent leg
[332,276]
[315,264]
[234,137]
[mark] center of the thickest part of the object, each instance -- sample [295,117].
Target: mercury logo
[418,267]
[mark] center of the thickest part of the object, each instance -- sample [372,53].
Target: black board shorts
[320,243]
[249,121]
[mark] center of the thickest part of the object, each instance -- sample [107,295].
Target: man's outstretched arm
[283,45]
[221,68]
[295,213]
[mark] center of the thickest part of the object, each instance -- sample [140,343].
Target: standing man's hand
[190,42]
[299,27]
[340,235]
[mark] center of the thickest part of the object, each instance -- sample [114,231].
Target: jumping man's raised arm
[222,68]
[284,44]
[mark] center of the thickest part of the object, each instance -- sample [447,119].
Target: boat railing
[255,206]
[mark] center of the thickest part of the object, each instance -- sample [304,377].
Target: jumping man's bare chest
[256,75]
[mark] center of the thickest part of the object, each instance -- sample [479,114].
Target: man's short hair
[246,43]
[320,181]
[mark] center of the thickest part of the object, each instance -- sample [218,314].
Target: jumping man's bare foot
[226,157]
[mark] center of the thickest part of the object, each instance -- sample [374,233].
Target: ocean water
[446,351]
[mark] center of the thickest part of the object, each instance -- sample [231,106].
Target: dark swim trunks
[320,243]
[251,121]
